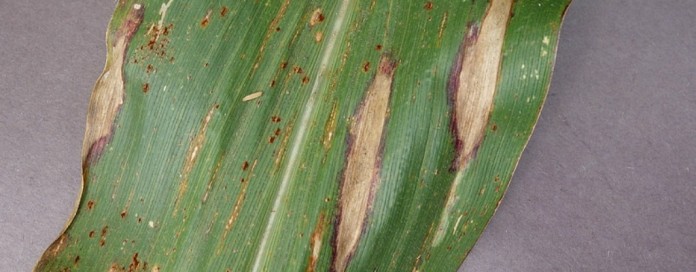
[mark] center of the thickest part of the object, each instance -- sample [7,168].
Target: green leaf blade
[232,147]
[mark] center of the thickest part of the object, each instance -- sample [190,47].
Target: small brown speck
[90,204]
[223,11]
[297,69]
[428,5]
[77,260]
[277,29]
[245,165]
[205,21]
[494,127]
[271,139]
[305,80]
[378,47]
[165,30]
[275,119]
[102,239]
[123,214]
[273,83]
[149,69]
[276,132]
[146,87]
[284,65]
[91,234]
[366,66]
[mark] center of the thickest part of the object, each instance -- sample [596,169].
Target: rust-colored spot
[297,70]
[271,139]
[245,165]
[206,20]
[276,132]
[223,11]
[90,205]
[149,69]
[91,234]
[123,214]
[273,83]
[165,30]
[277,29]
[428,5]
[378,47]
[102,237]
[283,65]
[275,119]
[366,66]
[494,127]
[76,260]
[317,17]
[135,263]
[146,87]
[305,80]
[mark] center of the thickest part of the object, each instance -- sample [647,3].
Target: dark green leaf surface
[238,126]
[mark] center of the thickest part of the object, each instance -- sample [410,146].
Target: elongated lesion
[361,172]
[471,86]
[473,80]
[108,94]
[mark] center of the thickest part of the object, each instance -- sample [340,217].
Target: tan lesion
[474,80]
[472,86]
[192,153]
[361,173]
[108,94]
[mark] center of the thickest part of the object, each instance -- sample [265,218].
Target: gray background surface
[607,183]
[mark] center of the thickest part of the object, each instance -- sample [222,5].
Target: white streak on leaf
[299,139]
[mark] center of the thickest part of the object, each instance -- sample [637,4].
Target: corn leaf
[305,135]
